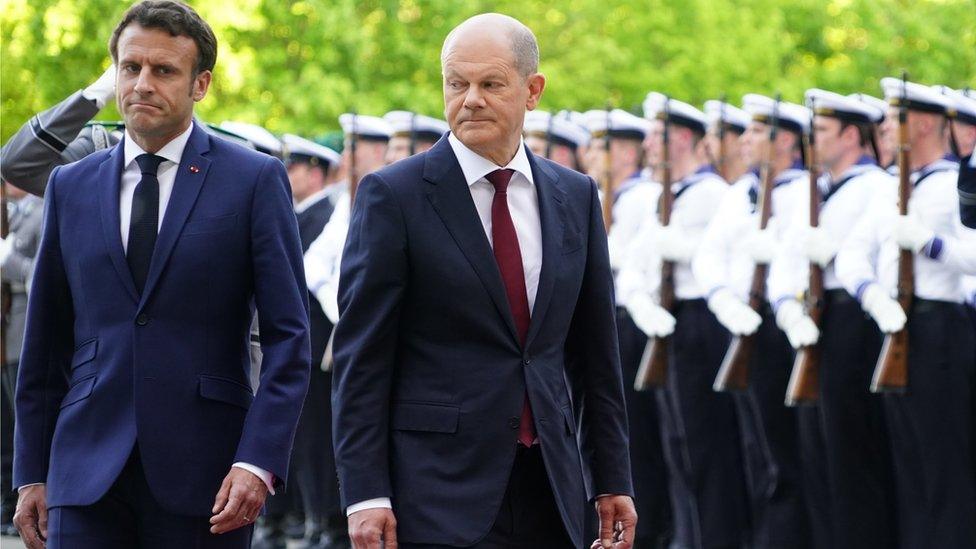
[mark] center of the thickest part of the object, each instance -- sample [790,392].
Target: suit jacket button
[527,362]
[513,422]
[142,319]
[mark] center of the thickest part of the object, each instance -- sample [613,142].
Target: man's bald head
[523,45]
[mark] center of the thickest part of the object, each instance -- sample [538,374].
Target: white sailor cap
[963,107]
[657,105]
[847,109]
[262,139]
[790,116]
[365,126]
[916,97]
[879,105]
[573,116]
[716,111]
[299,149]
[409,124]
[558,129]
[616,123]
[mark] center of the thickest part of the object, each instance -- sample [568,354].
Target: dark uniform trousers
[769,442]
[128,517]
[931,430]
[846,442]
[701,436]
[646,458]
[528,517]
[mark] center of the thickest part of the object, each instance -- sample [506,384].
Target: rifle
[653,371]
[413,134]
[607,183]
[721,162]
[804,385]
[327,357]
[733,374]
[891,371]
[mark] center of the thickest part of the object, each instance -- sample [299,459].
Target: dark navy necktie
[508,255]
[144,221]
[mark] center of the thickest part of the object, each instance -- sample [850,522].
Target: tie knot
[500,179]
[149,163]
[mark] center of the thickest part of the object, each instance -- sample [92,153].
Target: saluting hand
[618,522]
[373,529]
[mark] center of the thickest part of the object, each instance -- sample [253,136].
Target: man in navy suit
[137,425]
[475,298]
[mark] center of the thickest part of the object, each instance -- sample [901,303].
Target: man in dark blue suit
[475,299]
[137,425]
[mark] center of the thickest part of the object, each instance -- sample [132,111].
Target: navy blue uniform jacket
[104,367]
[430,377]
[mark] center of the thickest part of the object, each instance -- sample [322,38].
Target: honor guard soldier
[885,154]
[58,136]
[412,133]
[309,168]
[554,137]
[726,124]
[699,430]
[930,418]
[614,159]
[724,268]
[366,140]
[848,428]
[963,134]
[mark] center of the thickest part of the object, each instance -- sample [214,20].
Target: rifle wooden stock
[891,370]
[733,374]
[653,370]
[804,384]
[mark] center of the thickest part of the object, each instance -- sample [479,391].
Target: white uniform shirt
[322,260]
[636,204]
[845,203]
[870,253]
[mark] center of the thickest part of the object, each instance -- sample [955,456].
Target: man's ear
[536,83]
[200,85]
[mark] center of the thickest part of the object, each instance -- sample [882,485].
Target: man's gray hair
[525,48]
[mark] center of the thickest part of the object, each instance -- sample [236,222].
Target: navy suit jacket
[104,367]
[430,377]
[967,193]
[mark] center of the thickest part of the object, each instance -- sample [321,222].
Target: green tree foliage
[295,66]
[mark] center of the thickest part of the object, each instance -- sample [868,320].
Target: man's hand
[618,522]
[31,516]
[372,529]
[239,500]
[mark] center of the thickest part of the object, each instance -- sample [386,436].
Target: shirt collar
[171,151]
[311,200]
[475,167]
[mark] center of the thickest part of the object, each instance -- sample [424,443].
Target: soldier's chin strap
[953,142]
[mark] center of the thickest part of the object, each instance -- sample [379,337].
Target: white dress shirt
[870,254]
[523,203]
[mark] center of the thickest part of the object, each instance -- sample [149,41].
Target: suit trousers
[528,517]
[129,517]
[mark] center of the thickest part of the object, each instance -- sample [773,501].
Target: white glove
[674,245]
[736,316]
[6,246]
[799,328]
[761,246]
[883,309]
[328,298]
[102,90]
[911,234]
[820,247]
[650,317]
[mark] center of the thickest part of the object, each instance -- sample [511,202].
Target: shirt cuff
[31,484]
[265,476]
[861,288]
[375,503]
[934,248]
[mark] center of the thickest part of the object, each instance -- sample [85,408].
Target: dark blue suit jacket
[429,375]
[967,193]
[104,367]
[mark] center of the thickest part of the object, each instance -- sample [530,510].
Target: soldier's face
[756,133]
[485,97]
[156,85]
[829,144]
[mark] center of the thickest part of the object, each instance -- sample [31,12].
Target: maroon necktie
[509,259]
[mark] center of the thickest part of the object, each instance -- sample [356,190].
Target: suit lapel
[551,214]
[190,176]
[451,199]
[109,179]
